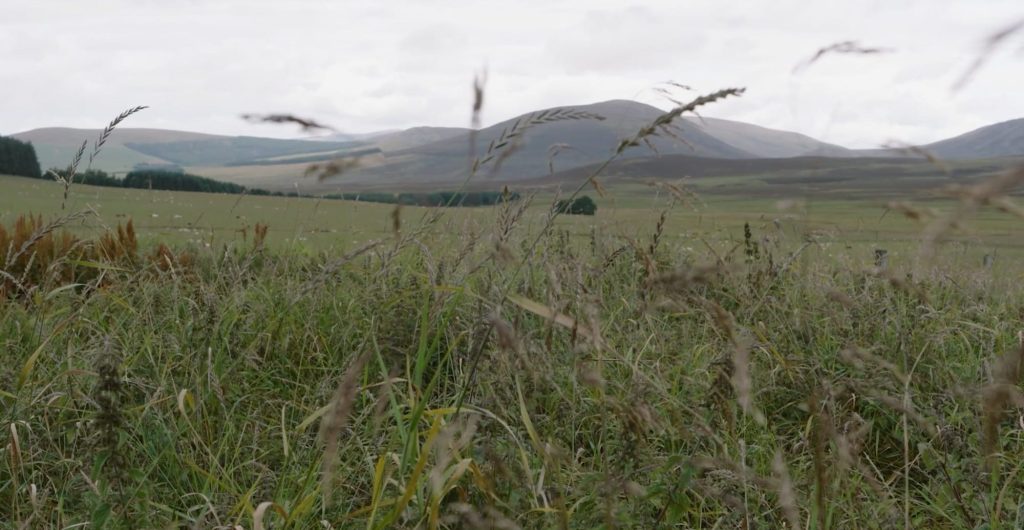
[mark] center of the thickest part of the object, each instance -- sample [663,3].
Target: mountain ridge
[440,155]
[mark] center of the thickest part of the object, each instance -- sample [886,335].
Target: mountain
[349,137]
[998,140]
[333,137]
[241,150]
[545,144]
[414,137]
[127,147]
[69,136]
[56,146]
[766,143]
[542,147]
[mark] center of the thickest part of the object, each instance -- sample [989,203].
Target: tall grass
[660,387]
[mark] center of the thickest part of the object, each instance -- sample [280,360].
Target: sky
[382,65]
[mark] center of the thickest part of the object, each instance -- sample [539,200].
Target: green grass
[686,359]
[201,218]
[179,217]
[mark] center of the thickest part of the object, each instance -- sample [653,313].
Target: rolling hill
[415,137]
[580,142]
[766,143]
[127,147]
[56,146]
[238,150]
[542,150]
[732,148]
[997,140]
[396,139]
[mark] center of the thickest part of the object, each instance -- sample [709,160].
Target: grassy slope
[221,372]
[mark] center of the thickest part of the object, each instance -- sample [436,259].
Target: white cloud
[364,67]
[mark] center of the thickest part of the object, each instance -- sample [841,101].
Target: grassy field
[811,177]
[629,210]
[648,367]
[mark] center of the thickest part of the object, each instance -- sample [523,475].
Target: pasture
[629,210]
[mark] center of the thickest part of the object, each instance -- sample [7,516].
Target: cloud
[626,41]
[364,67]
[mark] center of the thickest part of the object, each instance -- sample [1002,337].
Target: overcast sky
[366,66]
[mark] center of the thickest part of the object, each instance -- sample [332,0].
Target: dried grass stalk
[996,396]
[787,497]
[848,47]
[305,123]
[992,43]
[336,419]
[742,382]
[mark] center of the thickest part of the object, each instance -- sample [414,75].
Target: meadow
[630,209]
[656,365]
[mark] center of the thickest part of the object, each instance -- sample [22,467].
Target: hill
[120,136]
[764,142]
[238,150]
[425,157]
[997,140]
[397,139]
[414,137]
[128,147]
[56,146]
[580,142]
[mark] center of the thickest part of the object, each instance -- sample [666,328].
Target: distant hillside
[585,142]
[997,140]
[414,137]
[128,147]
[121,135]
[766,143]
[56,146]
[351,137]
[425,157]
[334,137]
[580,142]
[237,150]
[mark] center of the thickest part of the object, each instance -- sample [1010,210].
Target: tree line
[18,158]
[149,179]
[438,198]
